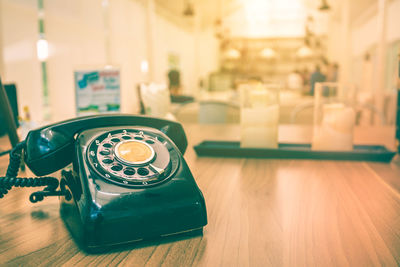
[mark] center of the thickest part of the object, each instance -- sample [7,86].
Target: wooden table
[260,213]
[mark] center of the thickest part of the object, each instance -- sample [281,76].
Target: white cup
[259,115]
[334,117]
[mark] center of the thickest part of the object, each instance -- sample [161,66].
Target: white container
[259,115]
[156,99]
[334,117]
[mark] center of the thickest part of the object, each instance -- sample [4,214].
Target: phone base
[73,227]
[135,244]
[110,206]
[165,212]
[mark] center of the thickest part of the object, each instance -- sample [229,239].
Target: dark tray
[293,151]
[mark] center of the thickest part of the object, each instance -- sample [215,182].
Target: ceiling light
[304,51]
[144,66]
[42,47]
[268,53]
[189,10]
[232,53]
[324,6]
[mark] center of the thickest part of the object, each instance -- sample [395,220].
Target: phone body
[127,178]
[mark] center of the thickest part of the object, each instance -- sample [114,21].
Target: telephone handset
[49,148]
[123,178]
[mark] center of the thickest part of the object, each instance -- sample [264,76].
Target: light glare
[42,49]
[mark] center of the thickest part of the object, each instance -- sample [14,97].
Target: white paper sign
[97,91]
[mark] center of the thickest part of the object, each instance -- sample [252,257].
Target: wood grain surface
[261,212]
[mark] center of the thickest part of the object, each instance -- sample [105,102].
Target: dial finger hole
[138,138]
[105,152]
[116,167]
[107,161]
[107,145]
[129,171]
[143,171]
[149,141]
[115,140]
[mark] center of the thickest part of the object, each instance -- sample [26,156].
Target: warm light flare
[144,66]
[261,10]
[42,47]
[304,51]
[268,53]
[232,53]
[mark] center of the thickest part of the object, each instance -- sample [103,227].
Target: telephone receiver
[124,178]
[47,148]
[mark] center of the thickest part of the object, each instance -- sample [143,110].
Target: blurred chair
[390,107]
[212,112]
[139,96]
[300,108]
[9,118]
[218,112]
[156,100]
[182,99]
[359,108]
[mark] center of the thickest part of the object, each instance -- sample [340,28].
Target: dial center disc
[134,152]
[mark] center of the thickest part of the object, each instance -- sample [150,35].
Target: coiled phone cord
[11,179]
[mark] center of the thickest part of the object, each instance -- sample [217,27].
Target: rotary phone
[123,178]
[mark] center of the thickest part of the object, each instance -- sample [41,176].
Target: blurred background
[200,52]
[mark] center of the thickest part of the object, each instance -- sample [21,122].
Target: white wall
[19,30]
[334,41]
[77,40]
[393,21]
[74,30]
[166,38]
[365,33]
[198,55]
[365,37]
[208,54]
[128,48]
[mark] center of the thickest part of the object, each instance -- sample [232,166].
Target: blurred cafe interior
[214,46]
[297,99]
